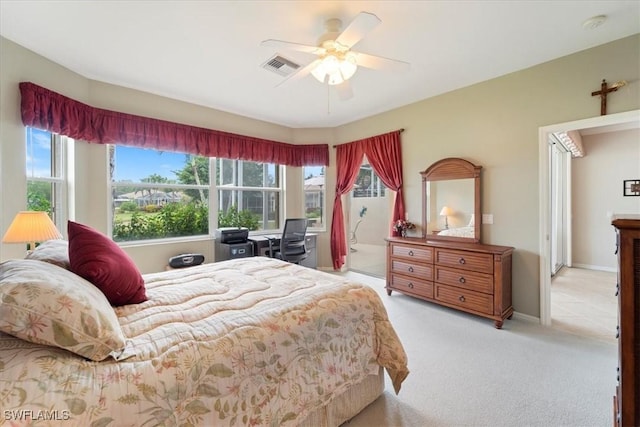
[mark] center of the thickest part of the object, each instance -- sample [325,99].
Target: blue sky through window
[134,164]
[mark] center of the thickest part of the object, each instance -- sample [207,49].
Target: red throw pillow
[100,260]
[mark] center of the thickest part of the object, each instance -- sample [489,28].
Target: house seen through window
[158,194]
[314,195]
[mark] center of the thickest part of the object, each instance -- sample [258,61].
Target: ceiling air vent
[280,65]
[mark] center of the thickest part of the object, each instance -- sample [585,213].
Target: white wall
[596,195]
[375,224]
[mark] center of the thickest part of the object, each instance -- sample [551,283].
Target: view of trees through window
[45,174]
[158,194]
[249,194]
[162,194]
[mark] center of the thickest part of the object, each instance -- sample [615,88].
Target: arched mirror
[451,200]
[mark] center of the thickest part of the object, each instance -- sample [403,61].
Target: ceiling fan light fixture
[334,70]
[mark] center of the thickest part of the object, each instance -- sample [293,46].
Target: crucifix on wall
[604,91]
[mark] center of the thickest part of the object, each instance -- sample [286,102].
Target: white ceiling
[209,53]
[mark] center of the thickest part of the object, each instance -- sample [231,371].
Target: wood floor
[583,302]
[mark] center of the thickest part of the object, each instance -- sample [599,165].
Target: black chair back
[292,242]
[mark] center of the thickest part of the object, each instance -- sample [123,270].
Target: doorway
[559,202]
[369,214]
[620,121]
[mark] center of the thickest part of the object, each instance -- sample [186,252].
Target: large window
[249,194]
[46,174]
[314,195]
[157,194]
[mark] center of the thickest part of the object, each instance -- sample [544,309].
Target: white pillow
[53,251]
[46,304]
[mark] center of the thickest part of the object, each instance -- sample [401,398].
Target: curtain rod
[401,130]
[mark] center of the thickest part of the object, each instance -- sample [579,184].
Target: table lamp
[31,227]
[446,212]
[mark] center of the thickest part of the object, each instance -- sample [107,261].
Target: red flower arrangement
[402,225]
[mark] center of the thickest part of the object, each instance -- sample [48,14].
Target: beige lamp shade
[31,227]
[446,211]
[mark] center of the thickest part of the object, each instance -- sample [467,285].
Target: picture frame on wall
[631,187]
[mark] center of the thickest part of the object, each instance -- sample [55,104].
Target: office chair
[292,242]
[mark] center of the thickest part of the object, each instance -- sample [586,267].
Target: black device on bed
[186,260]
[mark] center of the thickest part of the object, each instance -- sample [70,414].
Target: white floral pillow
[46,304]
[52,251]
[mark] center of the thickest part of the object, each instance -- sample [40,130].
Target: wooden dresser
[470,277]
[626,401]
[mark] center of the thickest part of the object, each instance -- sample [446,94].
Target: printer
[231,235]
[231,243]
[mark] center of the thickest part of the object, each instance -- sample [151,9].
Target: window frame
[60,159]
[323,201]
[280,190]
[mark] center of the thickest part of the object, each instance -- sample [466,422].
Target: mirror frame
[449,169]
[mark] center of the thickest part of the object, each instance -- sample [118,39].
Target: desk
[261,247]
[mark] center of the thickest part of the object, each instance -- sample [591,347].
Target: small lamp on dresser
[446,213]
[31,227]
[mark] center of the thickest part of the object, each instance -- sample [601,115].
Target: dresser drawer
[420,253]
[420,271]
[411,285]
[482,263]
[480,282]
[466,299]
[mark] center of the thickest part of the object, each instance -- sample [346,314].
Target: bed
[245,342]
[468,232]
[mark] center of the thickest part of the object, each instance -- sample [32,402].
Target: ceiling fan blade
[344,90]
[358,28]
[380,63]
[302,72]
[281,44]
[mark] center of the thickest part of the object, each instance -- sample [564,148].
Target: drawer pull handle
[462,261]
[617,289]
[410,253]
[410,285]
[410,269]
[461,280]
[461,298]
[617,332]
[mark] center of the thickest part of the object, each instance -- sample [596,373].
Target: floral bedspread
[252,341]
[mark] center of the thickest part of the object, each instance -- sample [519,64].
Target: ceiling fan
[336,63]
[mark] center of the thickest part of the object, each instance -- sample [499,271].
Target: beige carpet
[464,372]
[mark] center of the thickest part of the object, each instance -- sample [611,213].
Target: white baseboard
[595,267]
[526,317]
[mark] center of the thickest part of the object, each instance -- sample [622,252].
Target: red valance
[48,110]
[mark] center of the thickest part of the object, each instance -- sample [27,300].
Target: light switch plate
[487,218]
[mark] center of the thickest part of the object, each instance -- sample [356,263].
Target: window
[249,194]
[158,194]
[368,184]
[314,195]
[46,174]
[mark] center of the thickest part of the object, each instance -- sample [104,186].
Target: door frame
[619,121]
